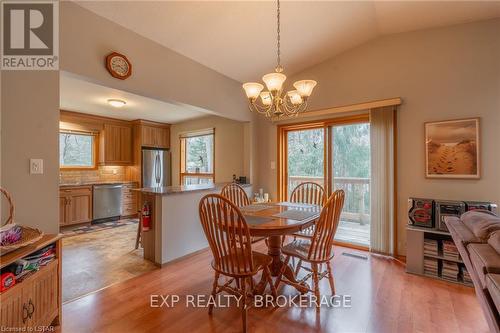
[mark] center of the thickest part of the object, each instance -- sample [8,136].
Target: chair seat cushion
[260,260]
[494,240]
[493,285]
[481,223]
[485,261]
[459,231]
[298,248]
[305,233]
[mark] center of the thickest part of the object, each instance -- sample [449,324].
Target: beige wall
[157,72]
[30,126]
[230,156]
[444,73]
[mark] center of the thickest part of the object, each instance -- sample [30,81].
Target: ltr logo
[30,35]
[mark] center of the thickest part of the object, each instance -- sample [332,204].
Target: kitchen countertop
[90,183]
[184,188]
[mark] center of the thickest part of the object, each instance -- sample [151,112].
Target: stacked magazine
[466,276]
[430,247]
[33,262]
[450,250]
[450,271]
[431,266]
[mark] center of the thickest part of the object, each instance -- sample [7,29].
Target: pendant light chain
[279,69]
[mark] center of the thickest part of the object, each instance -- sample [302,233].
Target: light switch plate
[273,165]
[36,166]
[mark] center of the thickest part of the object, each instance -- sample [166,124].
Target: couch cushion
[494,240]
[460,232]
[485,260]
[481,223]
[493,285]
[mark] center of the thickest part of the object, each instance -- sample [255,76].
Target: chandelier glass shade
[273,103]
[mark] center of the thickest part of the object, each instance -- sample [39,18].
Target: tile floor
[95,260]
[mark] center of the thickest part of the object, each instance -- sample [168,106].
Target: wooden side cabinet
[75,205]
[115,145]
[129,200]
[153,134]
[34,302]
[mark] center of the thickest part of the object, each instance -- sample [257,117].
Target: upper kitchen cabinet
[152,134]
[115,145]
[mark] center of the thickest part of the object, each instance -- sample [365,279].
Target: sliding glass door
[336,155]
[351,173]
[305,157]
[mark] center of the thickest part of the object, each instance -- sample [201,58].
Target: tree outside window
[197,159]
[77,150]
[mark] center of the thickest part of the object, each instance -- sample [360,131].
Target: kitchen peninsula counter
[176,230]
[185,188]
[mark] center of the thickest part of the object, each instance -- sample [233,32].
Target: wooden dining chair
[229,240]
[237,195]
[308,193]
[319,249]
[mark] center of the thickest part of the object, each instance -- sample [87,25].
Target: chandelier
[273,103]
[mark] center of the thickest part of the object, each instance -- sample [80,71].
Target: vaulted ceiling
[238,39]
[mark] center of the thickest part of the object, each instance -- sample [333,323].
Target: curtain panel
[382,231]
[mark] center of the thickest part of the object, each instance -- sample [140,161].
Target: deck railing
[357,199]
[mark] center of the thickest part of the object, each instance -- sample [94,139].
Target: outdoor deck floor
[354,233]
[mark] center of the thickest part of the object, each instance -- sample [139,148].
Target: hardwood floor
[384,299]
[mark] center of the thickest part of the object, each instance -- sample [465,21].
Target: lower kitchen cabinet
[75,205]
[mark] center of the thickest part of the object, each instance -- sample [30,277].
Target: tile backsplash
[103,173]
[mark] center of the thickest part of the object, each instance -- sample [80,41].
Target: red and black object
[146,217]
[8,279]
[478,205]
[421,212]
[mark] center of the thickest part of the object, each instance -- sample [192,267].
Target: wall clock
[118,66]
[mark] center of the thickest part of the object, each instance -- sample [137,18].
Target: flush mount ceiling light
[117,103]
[273,103]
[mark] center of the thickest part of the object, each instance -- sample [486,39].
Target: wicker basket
[28,235]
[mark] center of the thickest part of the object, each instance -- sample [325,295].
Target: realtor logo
[30,35]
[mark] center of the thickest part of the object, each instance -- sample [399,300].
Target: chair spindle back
[326,227]
[227,234]
[236,194]
[308,193]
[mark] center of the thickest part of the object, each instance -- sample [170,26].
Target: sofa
[477,237]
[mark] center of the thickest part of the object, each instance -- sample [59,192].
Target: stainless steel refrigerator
[156,167]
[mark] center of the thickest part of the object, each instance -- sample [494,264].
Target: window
[77,150]
[197,157]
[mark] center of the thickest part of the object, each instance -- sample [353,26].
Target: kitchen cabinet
[115,145]
[75,205]
[35,302]
[129,200]
[154,135]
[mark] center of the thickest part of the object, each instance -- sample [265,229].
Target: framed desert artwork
[452,149]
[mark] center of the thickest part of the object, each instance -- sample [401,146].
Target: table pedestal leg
[274,250]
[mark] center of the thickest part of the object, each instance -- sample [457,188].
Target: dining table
[275,221]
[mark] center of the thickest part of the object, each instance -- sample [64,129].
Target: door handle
[157,163]
[32,306]
[25,313]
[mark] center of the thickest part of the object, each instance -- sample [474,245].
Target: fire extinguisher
[146,217]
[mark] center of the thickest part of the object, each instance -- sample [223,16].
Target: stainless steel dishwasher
[107,202]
